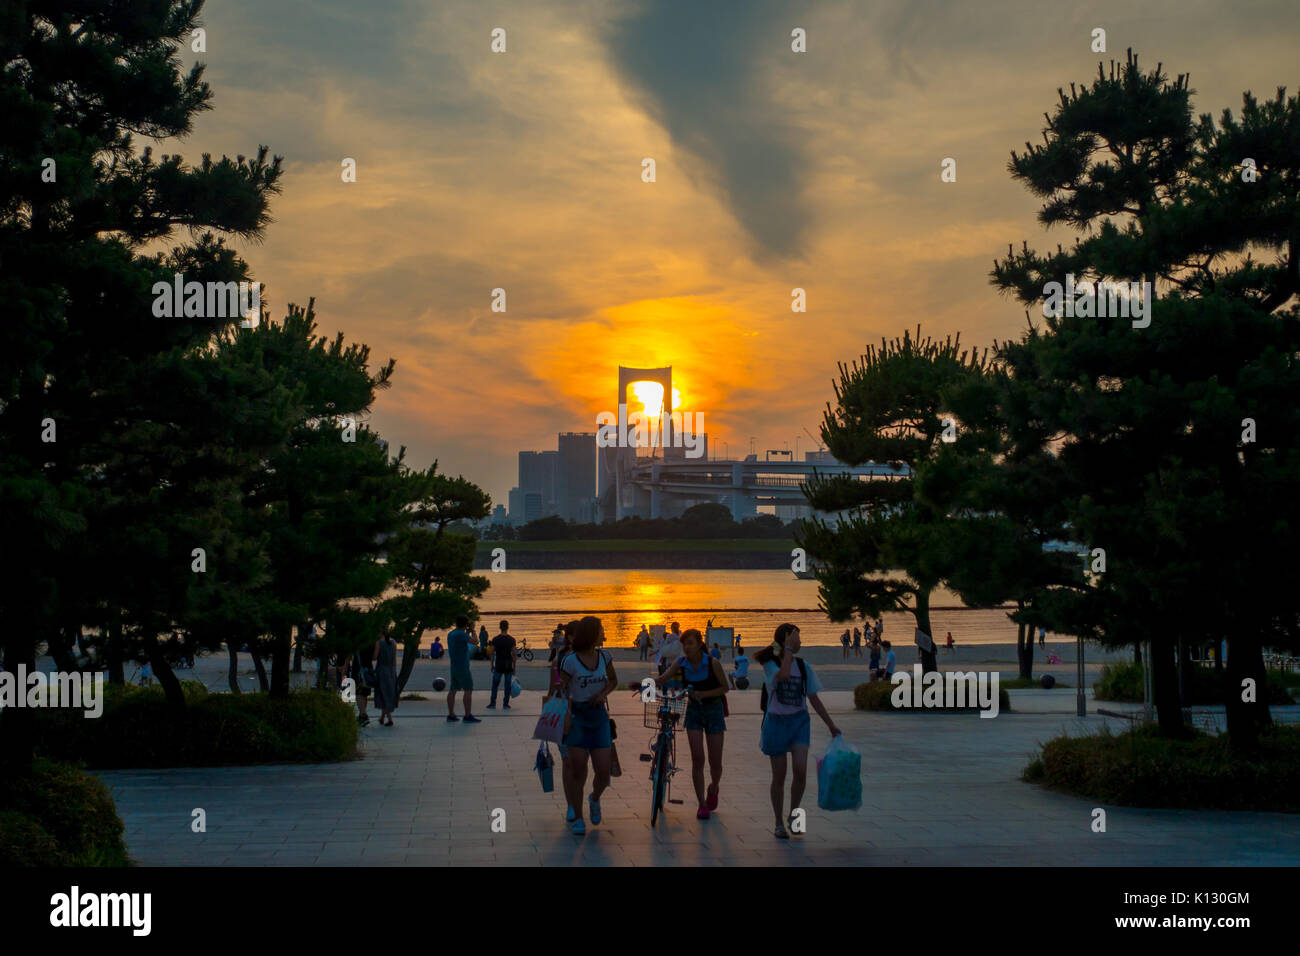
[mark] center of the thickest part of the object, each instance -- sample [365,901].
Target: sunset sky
[775,169]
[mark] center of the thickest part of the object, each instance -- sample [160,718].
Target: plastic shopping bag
[515,689]
[544,766]
[550,726]
[839,776]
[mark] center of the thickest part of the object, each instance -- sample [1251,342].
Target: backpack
[803,673]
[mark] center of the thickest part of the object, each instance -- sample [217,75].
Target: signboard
[924,641]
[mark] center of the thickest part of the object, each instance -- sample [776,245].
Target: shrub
[876,695]
[1142,769]
[139,729]
[59,816]
[1123,682]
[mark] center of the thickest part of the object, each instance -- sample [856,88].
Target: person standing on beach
[791,685]
[458,645]
[1042,637]
[483,641]
[587,677]
[670,649]
[857,642]
[643,644]
[385,657]
[873,660]
[951,643]
[557,641]
[705,715]
[844,643]
[891,661]
[505,657]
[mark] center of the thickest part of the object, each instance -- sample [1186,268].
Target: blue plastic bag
[839,776]
[515,689]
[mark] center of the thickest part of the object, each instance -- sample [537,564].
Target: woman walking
[791,685]
[706,685]
[385,656]
[587,678]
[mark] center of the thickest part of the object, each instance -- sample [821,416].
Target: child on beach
[791,685]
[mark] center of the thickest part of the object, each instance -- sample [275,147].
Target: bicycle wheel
[658,778]
[527,655]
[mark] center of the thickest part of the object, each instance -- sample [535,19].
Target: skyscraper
[537,477]
[575,476]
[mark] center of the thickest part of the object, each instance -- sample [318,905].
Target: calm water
[753,602]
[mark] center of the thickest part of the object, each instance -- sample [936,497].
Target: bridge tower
[615,498]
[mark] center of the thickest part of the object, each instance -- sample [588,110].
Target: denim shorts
[783,732]
[590,727]
[706,715]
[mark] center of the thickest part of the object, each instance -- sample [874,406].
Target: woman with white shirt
[789,685]
[586,678]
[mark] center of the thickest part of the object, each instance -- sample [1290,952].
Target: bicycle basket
[674,705]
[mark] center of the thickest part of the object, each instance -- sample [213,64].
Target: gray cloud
[699,69]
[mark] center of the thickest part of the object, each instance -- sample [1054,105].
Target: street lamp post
[1080,703]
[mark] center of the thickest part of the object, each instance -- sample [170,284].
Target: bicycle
[524,652]
[663,714]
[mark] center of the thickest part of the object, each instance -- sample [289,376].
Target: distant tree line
[701,521]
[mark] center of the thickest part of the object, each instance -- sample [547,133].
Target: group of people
[583,673]
[853,639]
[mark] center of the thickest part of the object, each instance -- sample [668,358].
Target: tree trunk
[1245,718]
[297,648]
[929,659]
[260,668]
[1184,673]
[17,730]
[1169,711]
[162,670]
[410,653]
[232,675]
[61,644]
[113,655]
[280,660]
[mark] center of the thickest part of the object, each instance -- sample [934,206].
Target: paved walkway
[939,790]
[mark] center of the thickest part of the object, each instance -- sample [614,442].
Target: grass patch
[878,695]
[59,816]
[139,729]
[1138,768]
[1122,682]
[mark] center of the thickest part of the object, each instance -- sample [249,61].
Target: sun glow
[648,397]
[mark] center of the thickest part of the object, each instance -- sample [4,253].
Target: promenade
[938,790]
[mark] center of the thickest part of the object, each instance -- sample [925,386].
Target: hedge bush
[139,729]
[59,816]
[1123,682]
[1139,768]
[876,695]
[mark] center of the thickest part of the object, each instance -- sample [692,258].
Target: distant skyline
[775,170]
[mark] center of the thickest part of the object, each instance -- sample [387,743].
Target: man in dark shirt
[503,663]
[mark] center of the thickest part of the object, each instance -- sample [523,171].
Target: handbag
[544,765]
[553,722]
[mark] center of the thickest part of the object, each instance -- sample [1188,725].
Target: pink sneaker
[702,813]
